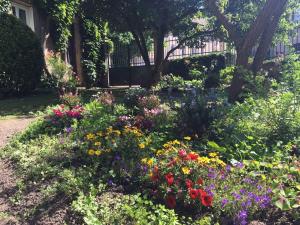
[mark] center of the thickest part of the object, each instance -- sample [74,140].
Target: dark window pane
[22,15]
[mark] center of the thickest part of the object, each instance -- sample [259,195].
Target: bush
[258,126]
[199,67]
[62,76]
[21,58]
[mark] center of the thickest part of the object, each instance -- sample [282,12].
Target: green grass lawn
[26,106]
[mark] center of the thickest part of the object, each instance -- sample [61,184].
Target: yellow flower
[186,170]
[117,132]
[142,145]
[90,136]
[166,145]
[159,152]
[150,162]
[213,154]
[144,160]
[100,134]
[176,142]
[97,143]
[98,153]
[187,138]
[91,152]
[203,160]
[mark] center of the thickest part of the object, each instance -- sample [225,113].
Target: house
[30,15]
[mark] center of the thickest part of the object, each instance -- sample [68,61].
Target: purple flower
[239,165]
[228,168]
[224,202]
[242,217]
[243,191]
[117,158]
[236,196]
[110,183]
[69,130]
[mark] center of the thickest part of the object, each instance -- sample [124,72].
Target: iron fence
[126,56]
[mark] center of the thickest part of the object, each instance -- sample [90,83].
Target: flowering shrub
[105,98]
[184,178]
[149,102]
[62,117]
[119,148]
[70,99]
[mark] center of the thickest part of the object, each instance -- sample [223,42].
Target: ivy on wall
[4,6]
[94,31]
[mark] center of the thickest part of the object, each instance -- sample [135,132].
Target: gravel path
[7,178]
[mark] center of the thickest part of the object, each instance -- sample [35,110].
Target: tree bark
[159,56]
[267,36]
[77,46]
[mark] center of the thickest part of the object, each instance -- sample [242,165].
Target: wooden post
[77,46]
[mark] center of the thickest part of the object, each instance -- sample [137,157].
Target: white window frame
[28,11]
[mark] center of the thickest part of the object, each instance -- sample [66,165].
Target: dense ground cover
[159,157]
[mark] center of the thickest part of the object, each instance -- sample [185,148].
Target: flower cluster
[179,175]
[63,116]
[105,98]
[149,102]
[63,111]
[123,142]
[184,178]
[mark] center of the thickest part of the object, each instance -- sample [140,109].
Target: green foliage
[113,208]
[4,6]
[132,96]
[170,82]
[254,128]
[208,64]
[62,14]
[62,77]
[21,58]
[96,46]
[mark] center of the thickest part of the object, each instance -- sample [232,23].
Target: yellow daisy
[186,170]
[91,152]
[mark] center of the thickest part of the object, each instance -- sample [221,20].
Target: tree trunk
[267,37]
[77,45]
[237,82]
[159,56]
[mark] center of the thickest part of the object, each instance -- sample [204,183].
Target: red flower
[192,156]
[155,169]
[171,201]
[58,113]
[188,183]
[193,193]
[170,178]
[154,178]
[206,199]
[182,153]
[200,181]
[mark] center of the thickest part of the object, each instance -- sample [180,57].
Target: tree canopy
[155,18]
[251,26]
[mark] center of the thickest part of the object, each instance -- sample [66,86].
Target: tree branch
[231,28]
[261,22]
[267,37]
[181,42]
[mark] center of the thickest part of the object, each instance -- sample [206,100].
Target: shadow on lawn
[26,106]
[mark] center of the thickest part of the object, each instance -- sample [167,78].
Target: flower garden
[152,157]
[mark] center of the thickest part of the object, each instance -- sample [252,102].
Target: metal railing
[126,56]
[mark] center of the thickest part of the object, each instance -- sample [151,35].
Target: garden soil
[28,206]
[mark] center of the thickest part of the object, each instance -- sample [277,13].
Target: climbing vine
[94,31]
[4,6]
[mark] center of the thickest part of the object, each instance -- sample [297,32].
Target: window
[24,13]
